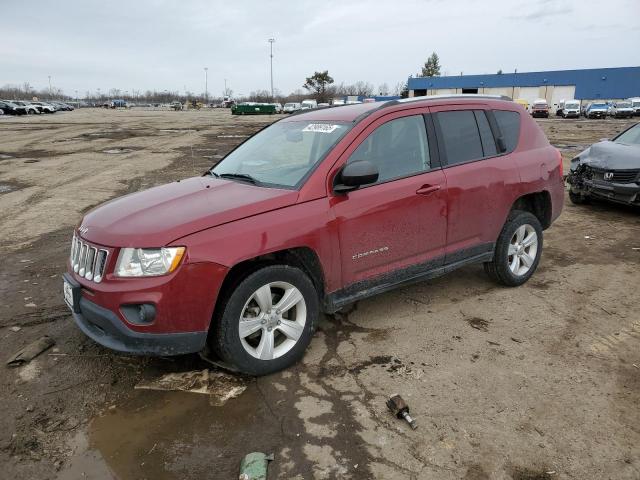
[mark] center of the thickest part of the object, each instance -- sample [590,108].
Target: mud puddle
[174,435]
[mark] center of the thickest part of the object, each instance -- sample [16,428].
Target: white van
[291,107]
[306,104]
[635,104]
[570,108]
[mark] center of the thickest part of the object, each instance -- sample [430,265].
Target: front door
[400,221]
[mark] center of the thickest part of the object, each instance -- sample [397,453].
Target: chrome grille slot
[100,264]
[83,258]
[88,261]
[91,257]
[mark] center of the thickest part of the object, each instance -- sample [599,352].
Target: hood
[160,215]
[611,156]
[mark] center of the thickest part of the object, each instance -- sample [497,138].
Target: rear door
[400,221]
[481,182]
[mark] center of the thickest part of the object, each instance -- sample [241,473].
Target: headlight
[148,262]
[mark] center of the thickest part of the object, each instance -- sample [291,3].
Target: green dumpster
[253,109]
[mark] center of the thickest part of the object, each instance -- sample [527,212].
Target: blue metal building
[587,84]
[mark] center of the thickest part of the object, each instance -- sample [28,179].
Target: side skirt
[334,301]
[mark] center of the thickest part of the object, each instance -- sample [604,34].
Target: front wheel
[578,198]
[518,249]
[267,321]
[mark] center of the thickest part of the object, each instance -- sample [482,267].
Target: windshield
[598,105]
[623,105]
[630,137]
[284,153]
[571,105]
[636,104]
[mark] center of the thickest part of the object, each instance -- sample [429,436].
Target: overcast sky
[138,44]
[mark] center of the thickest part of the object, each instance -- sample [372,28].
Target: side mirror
[354,175]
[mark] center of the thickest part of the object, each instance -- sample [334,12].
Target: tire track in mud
[340,431]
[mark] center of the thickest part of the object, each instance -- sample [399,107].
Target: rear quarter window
[509,124]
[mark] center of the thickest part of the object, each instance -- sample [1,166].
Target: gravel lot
[538,382]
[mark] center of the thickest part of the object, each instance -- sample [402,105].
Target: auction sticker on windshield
[320,128]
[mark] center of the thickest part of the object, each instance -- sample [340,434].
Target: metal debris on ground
[401,410]
[31,351]
[218,385]
[254,466]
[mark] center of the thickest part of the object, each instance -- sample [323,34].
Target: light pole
[271,40]
[225,88]
[49,86]
[77,104]
[206,90]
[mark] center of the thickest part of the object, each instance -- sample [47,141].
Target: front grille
[619,176]
[88,261]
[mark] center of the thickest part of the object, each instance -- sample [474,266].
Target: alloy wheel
[523,250]
[272,320]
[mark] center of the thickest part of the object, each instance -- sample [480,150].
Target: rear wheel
[267,321]
[517,251]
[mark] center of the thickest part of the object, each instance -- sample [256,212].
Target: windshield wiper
[239,176]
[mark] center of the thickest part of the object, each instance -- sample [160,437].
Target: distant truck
[540,108]
[118,103]
[635,104]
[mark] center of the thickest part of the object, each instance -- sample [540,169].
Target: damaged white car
[609,169]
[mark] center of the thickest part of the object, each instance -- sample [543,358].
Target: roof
[353,113]
[621,82]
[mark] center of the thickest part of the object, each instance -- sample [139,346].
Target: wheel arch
[304,258]
[537,203]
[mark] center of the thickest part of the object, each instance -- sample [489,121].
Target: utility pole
[271,40]
[206,90]
[49,86]
[225,89]
[77,104]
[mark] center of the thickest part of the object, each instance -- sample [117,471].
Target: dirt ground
[538,382]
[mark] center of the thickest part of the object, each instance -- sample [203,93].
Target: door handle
[427,189]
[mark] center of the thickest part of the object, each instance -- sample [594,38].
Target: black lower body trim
[415,273]
[105,328]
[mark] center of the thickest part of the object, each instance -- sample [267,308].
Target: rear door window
[486,135]
[509,124]
[460,136]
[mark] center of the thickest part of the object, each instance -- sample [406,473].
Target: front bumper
[104,327]
[628,193]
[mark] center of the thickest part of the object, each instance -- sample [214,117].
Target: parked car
[10,108]
[635,104]
[278,107]
[570,109]
[311,214]
[28,106]
[621,109]
[609,169]
[596,110]
[540,108]
[44,107]
[62,106]
[291,107]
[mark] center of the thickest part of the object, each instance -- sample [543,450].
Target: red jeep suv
[313,213]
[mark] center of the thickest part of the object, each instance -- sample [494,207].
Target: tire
[250,299]
[501,268]
[578,198]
